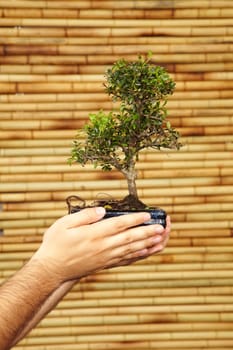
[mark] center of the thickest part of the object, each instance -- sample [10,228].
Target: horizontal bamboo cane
[109,13]
[79,293]
[140,310]
[67,95]
[155,284]
[40,106]
[34,214]
[145,301]
[186,196]
[142,328]
[122,4]
[88,176]
[54,321]
[117,346]
[154,187]
[159,338]
[67,86]
[76,37]
[117,22]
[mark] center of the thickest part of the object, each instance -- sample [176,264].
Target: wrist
[48,269]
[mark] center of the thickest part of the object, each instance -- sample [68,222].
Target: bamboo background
[53,55]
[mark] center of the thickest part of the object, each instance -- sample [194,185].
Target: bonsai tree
[114,139]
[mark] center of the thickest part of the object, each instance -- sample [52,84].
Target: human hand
[162,237]
[79,244]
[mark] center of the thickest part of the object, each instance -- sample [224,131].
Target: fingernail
[157,239]
[143,252]
[100,211]
[159,229]
[147,217]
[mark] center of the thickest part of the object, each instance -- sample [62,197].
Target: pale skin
[75,246]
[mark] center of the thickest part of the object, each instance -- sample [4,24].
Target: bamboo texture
[53,55]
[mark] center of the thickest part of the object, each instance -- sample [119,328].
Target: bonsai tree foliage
[115,139]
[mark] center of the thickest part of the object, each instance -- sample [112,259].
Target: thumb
[83,217]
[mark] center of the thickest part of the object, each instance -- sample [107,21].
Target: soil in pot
[118,207]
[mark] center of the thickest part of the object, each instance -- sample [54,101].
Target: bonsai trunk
[131,182]
[130,174]
[132,198]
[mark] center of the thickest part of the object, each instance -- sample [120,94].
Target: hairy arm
[48,304]
[21,297]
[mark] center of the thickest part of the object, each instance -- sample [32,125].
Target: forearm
[47,306]
[20,299]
